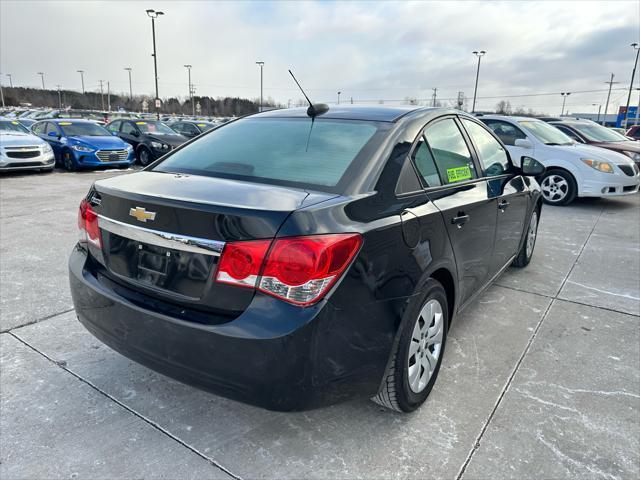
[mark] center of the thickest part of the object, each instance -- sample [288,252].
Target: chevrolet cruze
[296,258]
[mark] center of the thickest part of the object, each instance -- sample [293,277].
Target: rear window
[278,150]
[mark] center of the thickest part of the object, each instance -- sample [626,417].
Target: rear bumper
[274,355]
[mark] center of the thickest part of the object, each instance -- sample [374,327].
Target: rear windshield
[281,150]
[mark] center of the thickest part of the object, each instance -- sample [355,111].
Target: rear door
[509,190]
[468,209]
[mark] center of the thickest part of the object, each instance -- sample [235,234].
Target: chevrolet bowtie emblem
[140,213]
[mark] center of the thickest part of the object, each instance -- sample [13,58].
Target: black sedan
[150,139]
[291,262]
[191,128]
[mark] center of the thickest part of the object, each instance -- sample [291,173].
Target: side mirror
[53,134]
[531,167]
[523,143]
[114,133]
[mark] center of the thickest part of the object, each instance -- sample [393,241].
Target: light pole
[128,69]
[81,72]
[606,105]
[261,67]
[153,15]
[42,78]
[564,99]
[479,54]
[59,97]
[10,80]
[633,74]
[339,97]
[193,107]
[599,105]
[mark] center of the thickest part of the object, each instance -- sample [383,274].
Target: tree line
[209,106]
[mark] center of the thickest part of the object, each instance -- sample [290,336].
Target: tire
[558,187]
[144,156]
[529,243]
[407,383]
[68,162]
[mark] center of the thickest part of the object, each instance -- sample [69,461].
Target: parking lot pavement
[541,377]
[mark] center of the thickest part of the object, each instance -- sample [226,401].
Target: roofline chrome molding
[162,239]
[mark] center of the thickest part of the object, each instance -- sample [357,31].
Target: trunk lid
[162,233]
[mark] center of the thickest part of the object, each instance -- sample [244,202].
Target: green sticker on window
[458,173]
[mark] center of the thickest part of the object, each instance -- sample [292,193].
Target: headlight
[635,156]
[159,146]
[128,148]
[598,165]
[46,148]
[82,148]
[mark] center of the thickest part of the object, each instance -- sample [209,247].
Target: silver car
[21,150]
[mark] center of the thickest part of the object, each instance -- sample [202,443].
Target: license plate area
[152,263]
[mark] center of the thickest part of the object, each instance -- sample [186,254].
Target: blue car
[83,144]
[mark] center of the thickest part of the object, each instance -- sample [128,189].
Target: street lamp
[153,15]
[42,78]
[10,80]
[599,105]
[479,54]
[261,67]
[564,99]
[128,69]
[193,107]
[339,97]
[81,72]
[633,74]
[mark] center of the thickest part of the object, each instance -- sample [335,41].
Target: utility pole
[351,100]
[10,80]
[638,109]
[633,75]
[339,97]
[193,107]
[261,67]
[153,15]
[479,54]
[564,99]
[59,97]
[1,95]
[42,78]
[599,108]
[128,69]
[606,107]
[434,96]
[109,96]
[101,95]
[81,72]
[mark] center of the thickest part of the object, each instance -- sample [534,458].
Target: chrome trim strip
[161,239]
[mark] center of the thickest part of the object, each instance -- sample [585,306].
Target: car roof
[579,121]
[377,113]
[73,120]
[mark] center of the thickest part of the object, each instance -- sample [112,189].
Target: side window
[114,126]
[38,129]
[450,151]
[50,128]
[128,128]
[569,132]
[505,131]
[189,128]
[425,164]
[177,127]
[493,157]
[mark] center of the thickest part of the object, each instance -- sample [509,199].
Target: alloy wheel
[426,345]
[144,157]
[532,233]
[554,188]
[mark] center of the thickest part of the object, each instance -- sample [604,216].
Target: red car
[586,131]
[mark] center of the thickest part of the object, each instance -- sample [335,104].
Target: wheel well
[564,170]
[446,279]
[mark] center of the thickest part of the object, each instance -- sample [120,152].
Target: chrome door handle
[460,220]
[503,204]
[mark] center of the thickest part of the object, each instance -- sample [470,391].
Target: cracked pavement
[540,379]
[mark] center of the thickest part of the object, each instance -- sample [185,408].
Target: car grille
[23,154]
[112,155]
[24,164]
[629,170]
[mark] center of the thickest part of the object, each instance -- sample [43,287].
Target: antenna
[313,110]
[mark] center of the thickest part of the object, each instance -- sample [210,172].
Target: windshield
[155,127]
[72,129]
[598,133]
[12,126]
[546,133]
[205,126]
[282,150]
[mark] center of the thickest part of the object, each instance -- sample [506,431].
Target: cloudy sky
[370,51]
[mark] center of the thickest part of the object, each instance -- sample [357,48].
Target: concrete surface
[540,379]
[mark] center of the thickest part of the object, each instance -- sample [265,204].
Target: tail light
[88,224]
[299,270]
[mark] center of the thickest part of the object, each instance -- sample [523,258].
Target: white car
[573,169]
[21,150]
